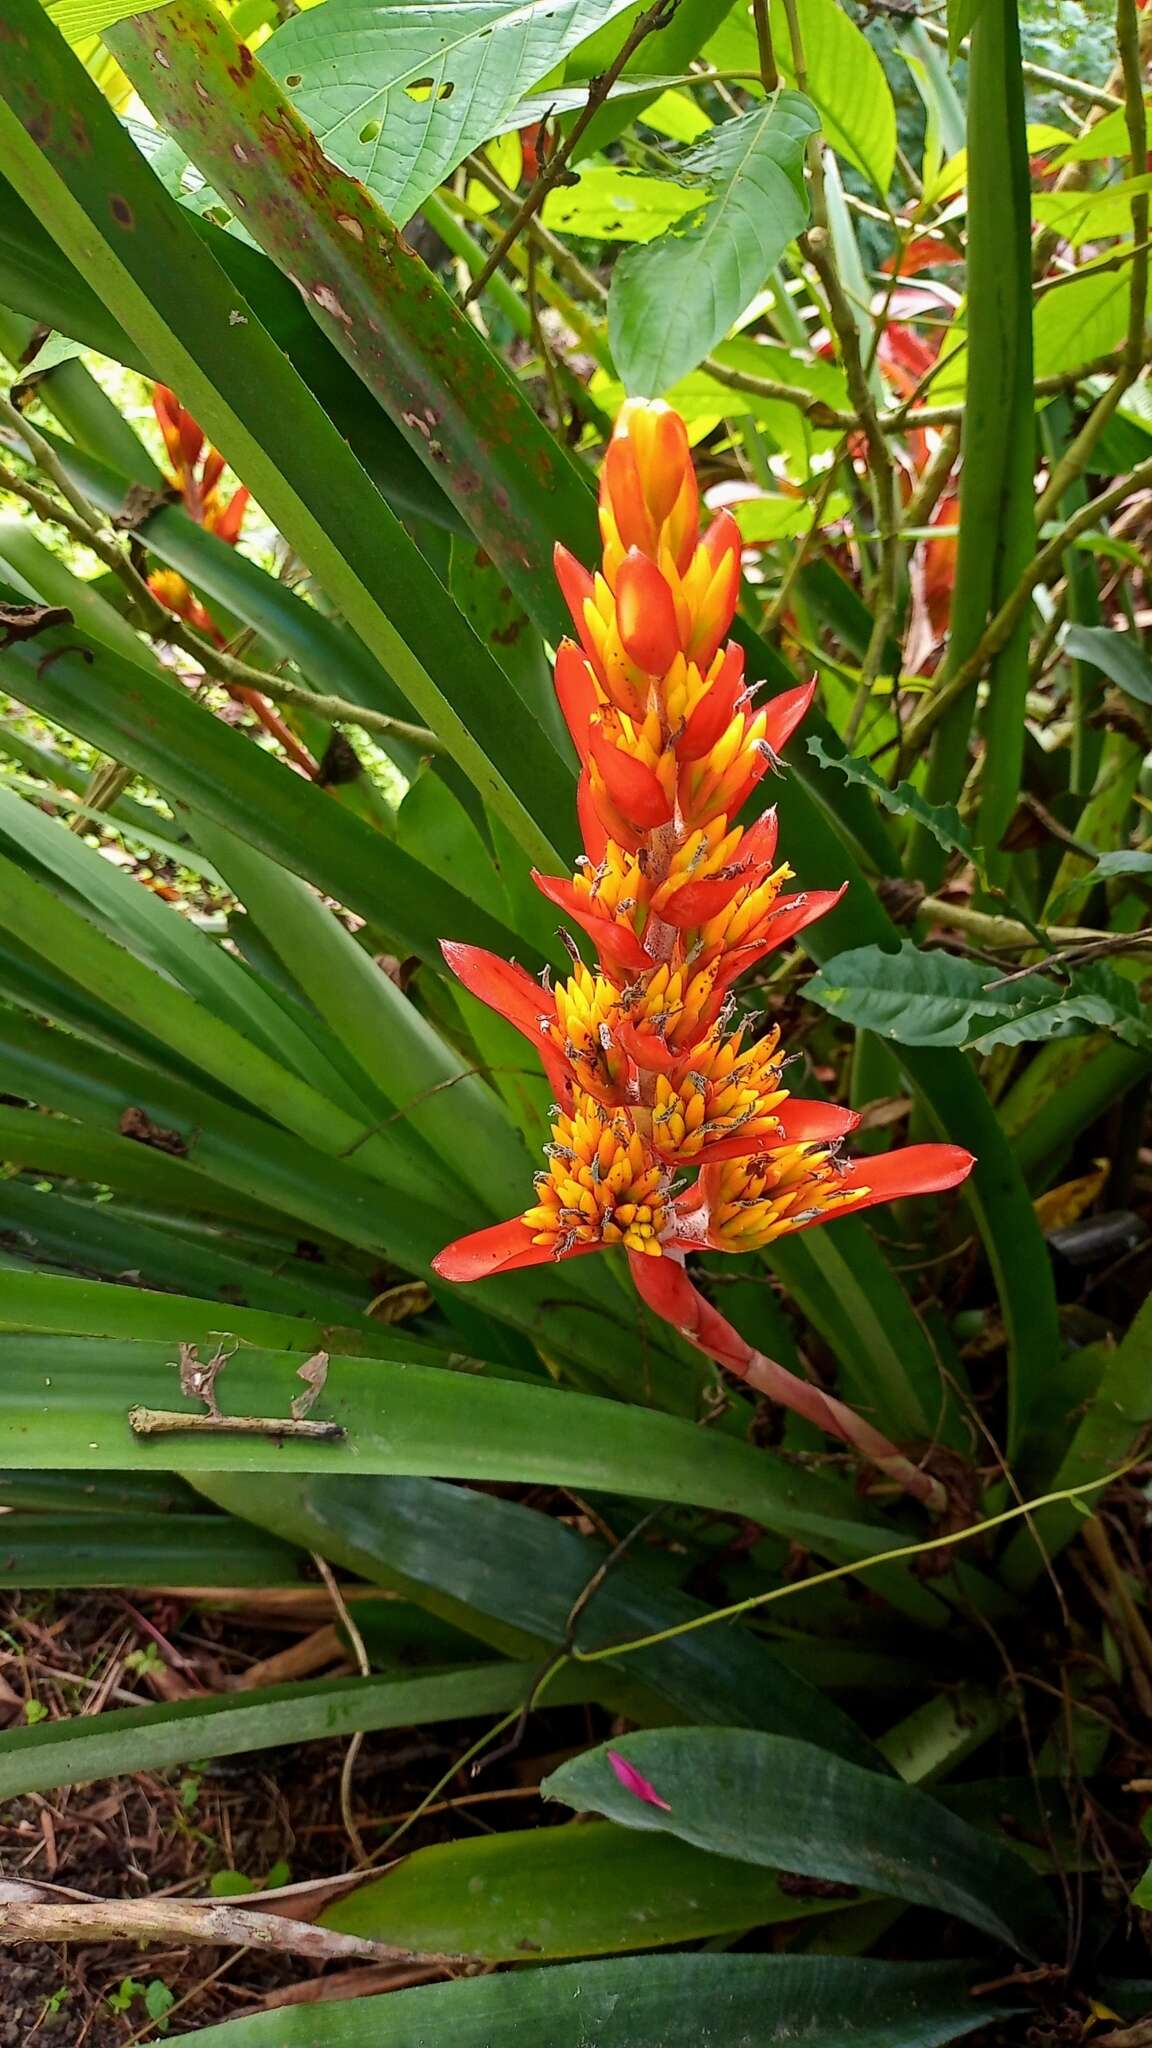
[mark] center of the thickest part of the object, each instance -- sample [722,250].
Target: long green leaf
[87,1308]
[520,491]
[37,278]
[556,1892]
[406,1212]
[386,1035]
[512,1576]
[74,1752]
[196,759]
[119,1549]
[93,1236]
[399,1419]
[767,1800]
[677,2001]
[136,246]
[1112,1427]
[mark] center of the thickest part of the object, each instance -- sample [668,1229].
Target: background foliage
[875,1779]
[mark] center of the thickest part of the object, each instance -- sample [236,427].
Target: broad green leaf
[671,302]
[400,1419]
[941,820]
[844,78]
[510,1576]
[772,518]
[398,94]
[1109,867]
[1117,655]
[137,247]
[556,1892]
[768,1800]
[610,203]
[74,1752]
[1106,137]
[1076,321]
[677,2001]
[938,998]
[1091,216]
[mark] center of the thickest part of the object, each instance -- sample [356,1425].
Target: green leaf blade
[672,300]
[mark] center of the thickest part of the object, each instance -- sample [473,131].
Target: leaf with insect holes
[943,821]
[673,299]
[398,94]
[920,998]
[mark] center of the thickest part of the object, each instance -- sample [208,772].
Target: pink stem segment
[663,1283]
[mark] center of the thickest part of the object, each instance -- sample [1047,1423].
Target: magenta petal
[635,1782]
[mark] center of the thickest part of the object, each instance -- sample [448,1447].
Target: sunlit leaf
[671,302]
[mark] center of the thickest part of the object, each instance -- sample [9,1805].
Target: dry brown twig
[28,1914]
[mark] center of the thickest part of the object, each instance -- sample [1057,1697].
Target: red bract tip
[785,712]
[575,694]
[227,522]
[646,615]
[633,789]
[502,1248]
[577,586]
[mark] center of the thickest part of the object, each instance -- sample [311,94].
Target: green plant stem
[1074,88]
[769,75]
[1075,461]
[1007,618]
[996,932]
[997,519]
[817,246]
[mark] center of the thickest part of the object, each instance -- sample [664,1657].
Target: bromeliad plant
[656,1073]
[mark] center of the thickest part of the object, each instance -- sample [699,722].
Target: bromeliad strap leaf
[824,2001]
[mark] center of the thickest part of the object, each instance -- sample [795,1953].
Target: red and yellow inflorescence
[674,1130]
